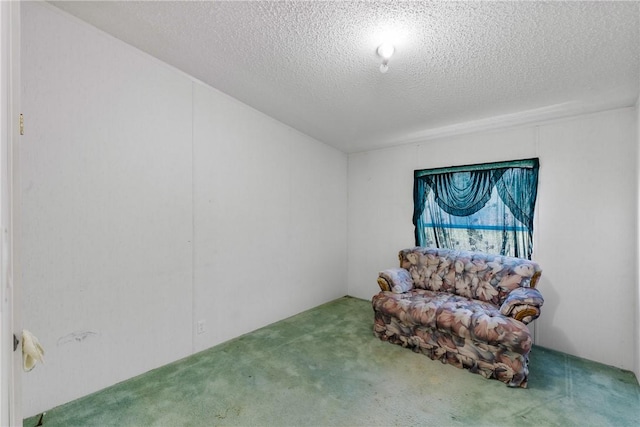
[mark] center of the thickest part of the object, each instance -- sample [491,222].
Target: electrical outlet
[200,329]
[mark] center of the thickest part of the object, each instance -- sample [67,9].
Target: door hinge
[21,124]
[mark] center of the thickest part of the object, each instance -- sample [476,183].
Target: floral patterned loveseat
[468,309]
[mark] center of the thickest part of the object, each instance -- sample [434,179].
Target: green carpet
[325,367]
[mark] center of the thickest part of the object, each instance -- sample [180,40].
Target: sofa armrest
[397,280]
[523,304]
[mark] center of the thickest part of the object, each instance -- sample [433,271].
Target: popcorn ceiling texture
[313,65]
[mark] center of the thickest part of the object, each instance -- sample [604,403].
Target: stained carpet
[324,367]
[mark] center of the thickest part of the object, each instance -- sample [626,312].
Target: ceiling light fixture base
[385,51]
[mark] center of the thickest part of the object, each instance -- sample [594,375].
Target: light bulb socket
[386,50]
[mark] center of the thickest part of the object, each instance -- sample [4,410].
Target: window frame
[428,182]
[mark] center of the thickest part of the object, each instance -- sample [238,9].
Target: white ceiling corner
[313,65]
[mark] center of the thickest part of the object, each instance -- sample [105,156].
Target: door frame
[10,278]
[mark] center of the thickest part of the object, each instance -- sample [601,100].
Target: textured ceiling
[313,65]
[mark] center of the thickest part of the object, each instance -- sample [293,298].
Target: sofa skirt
[490,361]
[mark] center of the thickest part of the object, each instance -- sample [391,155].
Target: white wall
[270,219]
[151,202]
[585,227]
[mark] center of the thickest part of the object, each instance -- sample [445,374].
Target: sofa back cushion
[474,275]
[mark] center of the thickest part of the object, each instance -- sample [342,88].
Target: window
[487,207]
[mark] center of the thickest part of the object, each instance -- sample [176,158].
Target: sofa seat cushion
[467,318]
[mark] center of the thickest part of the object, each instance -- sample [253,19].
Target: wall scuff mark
[77,336]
